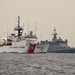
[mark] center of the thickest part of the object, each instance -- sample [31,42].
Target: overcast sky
[47,13]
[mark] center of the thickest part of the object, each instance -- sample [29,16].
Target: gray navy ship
[57,45]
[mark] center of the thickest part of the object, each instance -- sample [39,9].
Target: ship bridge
[30,38]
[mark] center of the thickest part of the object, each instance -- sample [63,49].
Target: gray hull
[59,49]
[72,50]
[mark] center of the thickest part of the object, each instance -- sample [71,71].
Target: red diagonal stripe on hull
[32,47]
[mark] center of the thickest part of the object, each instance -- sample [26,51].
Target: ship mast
[7,31]
[18,28]
[55,35]
[28,26]
[35,28]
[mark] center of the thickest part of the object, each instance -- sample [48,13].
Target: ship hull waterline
[62,51]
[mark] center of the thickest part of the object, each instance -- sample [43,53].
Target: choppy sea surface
[37,64]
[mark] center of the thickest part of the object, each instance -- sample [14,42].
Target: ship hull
[21,48]
[16,47]
[41,48]
[59,49]
[12,49]
[62,51]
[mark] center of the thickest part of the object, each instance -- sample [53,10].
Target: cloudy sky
[47,13]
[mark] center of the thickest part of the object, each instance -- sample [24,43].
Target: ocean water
[37,64]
